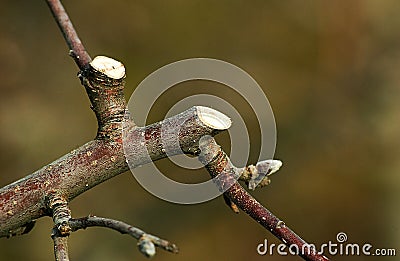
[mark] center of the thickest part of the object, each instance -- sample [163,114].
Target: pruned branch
[48,191]
[86,167]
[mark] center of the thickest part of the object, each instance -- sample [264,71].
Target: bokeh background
[329,68]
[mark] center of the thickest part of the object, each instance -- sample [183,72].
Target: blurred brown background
[329,68]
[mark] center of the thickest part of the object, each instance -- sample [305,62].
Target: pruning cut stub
[110,67]
[213,118]
[104,84]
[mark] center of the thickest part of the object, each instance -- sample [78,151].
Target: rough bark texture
[48,191]
[60,245]
[101,159]
[96,161]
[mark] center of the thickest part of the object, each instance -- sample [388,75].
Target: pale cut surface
[110,67]
[213,118]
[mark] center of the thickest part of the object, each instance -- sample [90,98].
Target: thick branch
[26,200]
[225,173]
[77,50]
[93,163]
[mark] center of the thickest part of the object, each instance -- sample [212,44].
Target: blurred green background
[329,68]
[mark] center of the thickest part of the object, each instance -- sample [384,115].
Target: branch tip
[146,246]
[258,176]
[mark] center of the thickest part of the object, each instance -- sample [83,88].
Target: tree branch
[60,245]
[146,241]
[48,191]
[61,213]
[225,174]
[93,163]
[77,50]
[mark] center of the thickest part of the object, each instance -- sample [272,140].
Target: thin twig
[60,245]
[225,174]
[77,50]
[144,238]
